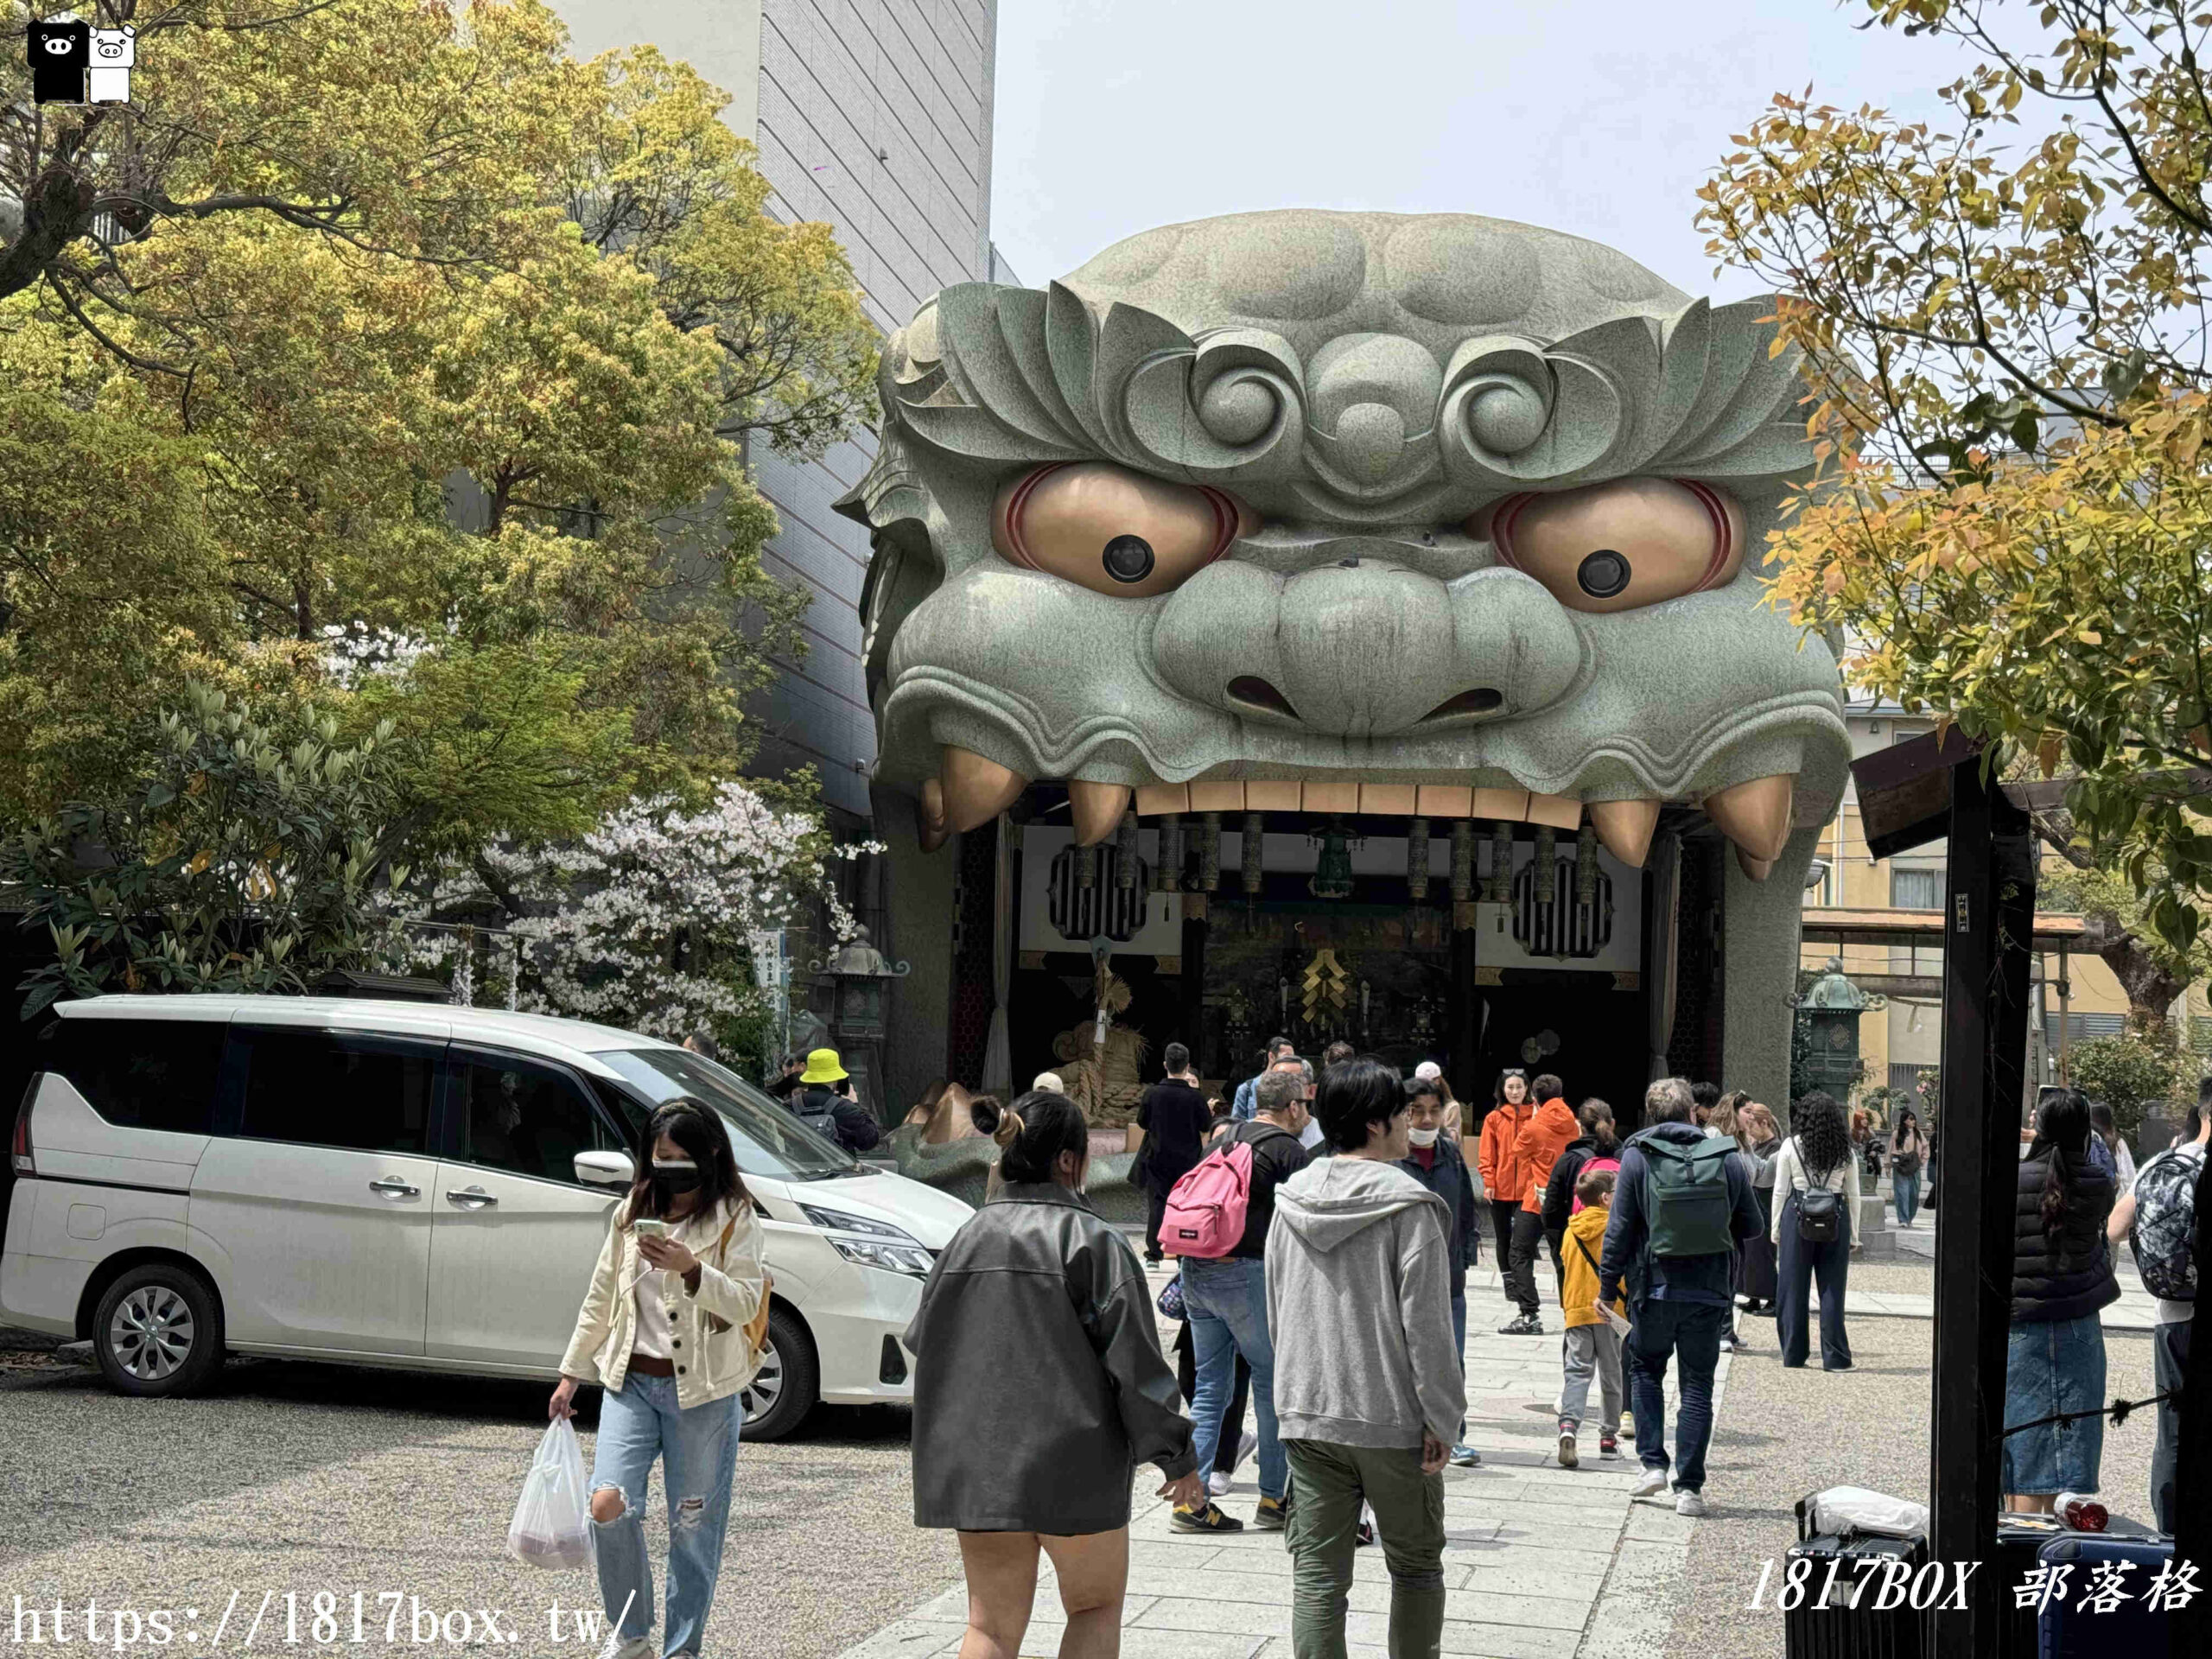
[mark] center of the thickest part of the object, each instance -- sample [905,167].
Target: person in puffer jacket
[1367,1390]
[1592,1347]
[2062,1279]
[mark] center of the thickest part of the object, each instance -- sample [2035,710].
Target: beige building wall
[1909,1031]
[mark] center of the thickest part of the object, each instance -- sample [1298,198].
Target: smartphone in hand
[647,1227]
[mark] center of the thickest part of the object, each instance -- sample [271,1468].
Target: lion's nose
[1367,647]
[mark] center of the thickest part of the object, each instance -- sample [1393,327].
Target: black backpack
[1819,1208]
[817,1108]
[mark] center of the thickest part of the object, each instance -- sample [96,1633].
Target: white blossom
[605,920]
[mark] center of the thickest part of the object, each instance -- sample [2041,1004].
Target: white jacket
[1790,1175]
[710,1364]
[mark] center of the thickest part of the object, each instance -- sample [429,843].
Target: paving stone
[1534,1554]
[910,1638]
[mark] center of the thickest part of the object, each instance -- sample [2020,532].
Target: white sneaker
[1219,1483]
[619,1646]
[1245,1448]
[1691,1503]
[1654,1483]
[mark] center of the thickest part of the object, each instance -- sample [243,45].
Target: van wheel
[158,1331]
[789,1381]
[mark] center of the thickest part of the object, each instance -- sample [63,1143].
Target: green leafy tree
[243,858]
[2151,972]
[2006,340]
[2133,1072]
[449,420]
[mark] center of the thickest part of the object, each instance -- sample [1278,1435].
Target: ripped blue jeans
[699,1449]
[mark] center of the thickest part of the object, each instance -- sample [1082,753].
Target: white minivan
[410,1185]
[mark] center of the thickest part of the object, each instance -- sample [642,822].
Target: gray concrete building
[874,115]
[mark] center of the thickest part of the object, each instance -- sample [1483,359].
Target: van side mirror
[604,1168]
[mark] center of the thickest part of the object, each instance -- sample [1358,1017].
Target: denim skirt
[2051,1368]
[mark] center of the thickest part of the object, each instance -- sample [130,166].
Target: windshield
[768,1140]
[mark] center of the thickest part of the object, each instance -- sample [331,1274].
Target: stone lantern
[1831,1006]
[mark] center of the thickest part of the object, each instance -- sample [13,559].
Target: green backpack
[1686,1195]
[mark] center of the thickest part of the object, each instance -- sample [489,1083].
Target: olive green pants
[1328,1483]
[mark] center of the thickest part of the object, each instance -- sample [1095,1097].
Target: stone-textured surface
[1354,392]
[1362,383]
[1783,1434]
[1532,1554]
[310,1478]
[1761,952]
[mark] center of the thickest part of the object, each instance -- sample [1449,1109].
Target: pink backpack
[1205,1210]
[1591,1168]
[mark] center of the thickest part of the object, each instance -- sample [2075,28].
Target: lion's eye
[1114,532]
[1616,547]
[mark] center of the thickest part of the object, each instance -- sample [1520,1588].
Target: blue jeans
[636,1425]
[1689,1332]
[1905,1189]
[1226,1302]
[1459,1347]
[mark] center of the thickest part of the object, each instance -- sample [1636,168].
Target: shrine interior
[1341,929]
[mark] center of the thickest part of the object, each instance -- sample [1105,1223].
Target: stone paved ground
[1532,1549]
[1785,1434]
[301,1478]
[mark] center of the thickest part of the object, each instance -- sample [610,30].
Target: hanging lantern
[1499,890]
[1332,870]
[1167,867]
[1586,864]
[1125,854]
[1417,858]
[1546,870]
[1208,852]
[1463,861]
[1254,876]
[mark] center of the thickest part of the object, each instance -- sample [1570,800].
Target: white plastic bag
[1843,1510]
[552,1523]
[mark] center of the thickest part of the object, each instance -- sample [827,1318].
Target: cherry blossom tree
[644,922]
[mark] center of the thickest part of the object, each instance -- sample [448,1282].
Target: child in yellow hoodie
[1592,1345]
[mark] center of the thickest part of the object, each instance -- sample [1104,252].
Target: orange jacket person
[1535,1144]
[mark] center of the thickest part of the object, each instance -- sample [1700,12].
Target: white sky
[1600,117]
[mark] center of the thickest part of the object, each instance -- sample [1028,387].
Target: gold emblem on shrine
[1327,981]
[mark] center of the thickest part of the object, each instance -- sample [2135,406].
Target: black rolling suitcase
[2021,1539]
[1837,1618]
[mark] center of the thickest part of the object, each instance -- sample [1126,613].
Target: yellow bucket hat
[822,1067]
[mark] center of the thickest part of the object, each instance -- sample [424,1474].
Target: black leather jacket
[1038,1382]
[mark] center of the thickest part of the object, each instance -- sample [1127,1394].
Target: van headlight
[871,1244]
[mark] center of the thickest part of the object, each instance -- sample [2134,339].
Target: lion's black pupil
[1603,574]
[1128,558]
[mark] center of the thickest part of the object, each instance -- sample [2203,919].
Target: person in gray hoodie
[1368,1389]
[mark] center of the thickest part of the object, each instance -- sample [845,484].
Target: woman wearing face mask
[1432,1158]
[662,1330]
[1038,1387]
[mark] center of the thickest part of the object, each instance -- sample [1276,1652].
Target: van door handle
[471,1197]
[392,1187]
